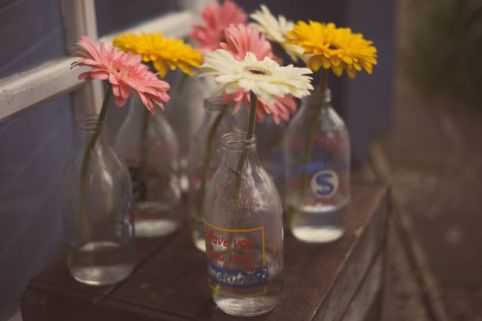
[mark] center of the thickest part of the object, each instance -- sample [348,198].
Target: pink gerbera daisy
[240,40]
[124,71]
[216,18]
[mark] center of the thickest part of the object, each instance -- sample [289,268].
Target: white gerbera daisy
[275,29]
[265,78]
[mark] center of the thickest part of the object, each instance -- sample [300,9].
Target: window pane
[310,9]
[115,15]
[32,33]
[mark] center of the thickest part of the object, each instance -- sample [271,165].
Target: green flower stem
[249,137]
[87,155]
[250,133]
[252,117]
[312,128]
[208,156]
[143,143]
[239,174]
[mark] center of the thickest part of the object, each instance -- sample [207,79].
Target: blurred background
[416,122]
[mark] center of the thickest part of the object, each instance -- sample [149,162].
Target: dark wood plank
[313,274]
[56,278]
[49,306]
[174,280]
[366,304]
[366,243]
[320,281]
[403,297]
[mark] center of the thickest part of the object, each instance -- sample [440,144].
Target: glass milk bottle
[244,232]
[270,145]
[317,172]
[204,160]
[148,146]
[99,197]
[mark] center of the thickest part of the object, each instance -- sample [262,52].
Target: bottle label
[324,184]
[238,278]
[237,257]
[324,179]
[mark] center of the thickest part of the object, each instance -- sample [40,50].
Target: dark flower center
[258,71]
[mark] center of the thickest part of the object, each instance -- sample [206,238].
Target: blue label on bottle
[238,278]
[325,183]
[236,256]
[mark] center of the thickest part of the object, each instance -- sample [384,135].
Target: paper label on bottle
[323,178]
[324,184]
[237,257]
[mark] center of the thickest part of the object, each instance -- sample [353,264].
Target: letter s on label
[324,184]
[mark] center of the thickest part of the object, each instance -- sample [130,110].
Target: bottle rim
[323,95]
[319,99]
[327,96]
[237,141]
[215,103]
[88,123]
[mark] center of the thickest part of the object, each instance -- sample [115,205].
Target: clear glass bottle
[204,159]
[148,146]
[270,145]
[186,113]
[244,232]
[317,173]
[102,248]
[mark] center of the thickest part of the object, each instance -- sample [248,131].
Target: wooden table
[340,281]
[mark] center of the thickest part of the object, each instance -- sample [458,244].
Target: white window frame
[25,89]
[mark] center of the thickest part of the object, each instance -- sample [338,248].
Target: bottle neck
[136,111]
[89,128]
[320,99]
[213,107]
[140,123]
[211,114]
[239,153]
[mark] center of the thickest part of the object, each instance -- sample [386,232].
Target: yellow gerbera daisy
[331,48]
[164,53]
